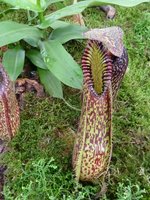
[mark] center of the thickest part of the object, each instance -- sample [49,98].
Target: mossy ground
[39,160]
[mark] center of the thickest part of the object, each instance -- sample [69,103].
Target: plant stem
[74,1]
[40,14]
[70,106]
[38,2]
[41,17]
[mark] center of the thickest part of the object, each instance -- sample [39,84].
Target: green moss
[18,15]
[47,127]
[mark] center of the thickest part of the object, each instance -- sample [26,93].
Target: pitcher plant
[104,63]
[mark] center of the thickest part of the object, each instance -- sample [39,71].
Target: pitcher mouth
[97,67]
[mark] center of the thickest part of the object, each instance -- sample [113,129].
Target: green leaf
[13,62]
[36,58]
[59,24]
[12,32]
[126,3]
[31,15]
[61,63]
[55,24]
[69,32]
[32,41]
[24,4]
[7,10]
[82,5]
[51,83]
[46,3]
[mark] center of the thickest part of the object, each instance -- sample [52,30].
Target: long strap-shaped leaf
[92,149]
[81,6]
[9,110]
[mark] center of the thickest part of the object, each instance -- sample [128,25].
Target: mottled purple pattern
[96,148]
[119,69]
[111,37]
[92,150]
[93,144]
[9,110]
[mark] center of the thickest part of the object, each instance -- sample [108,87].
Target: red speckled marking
[92,149]
[9,110]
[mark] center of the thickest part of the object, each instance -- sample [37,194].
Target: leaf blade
[13,62]
[51,83]
[46,3]
[61,63]
[36,58]
[69,32]
[12,32]
[82,5]
[24,4]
